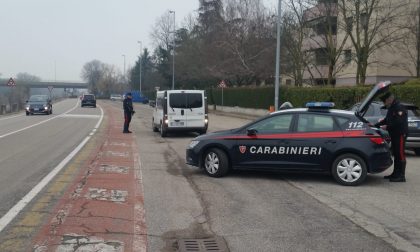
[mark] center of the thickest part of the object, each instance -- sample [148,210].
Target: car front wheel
[349,169]
[216,163]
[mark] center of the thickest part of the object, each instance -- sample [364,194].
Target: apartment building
[393,53]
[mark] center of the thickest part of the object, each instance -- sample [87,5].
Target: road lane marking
[41,122]
[16,209]
[80,116]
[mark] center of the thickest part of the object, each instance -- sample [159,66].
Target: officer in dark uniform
[396,123]
[128,111]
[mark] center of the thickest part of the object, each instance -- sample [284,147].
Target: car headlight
[193,144]
[45,107]
[28,107]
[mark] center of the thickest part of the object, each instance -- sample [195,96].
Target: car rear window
[89,97]
[186,100]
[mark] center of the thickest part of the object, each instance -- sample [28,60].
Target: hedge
[343,97]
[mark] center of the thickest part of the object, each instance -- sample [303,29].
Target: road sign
[222,84]
[11,83]
[50,88]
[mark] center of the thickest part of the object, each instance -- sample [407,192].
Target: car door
[313,142]
[262,144]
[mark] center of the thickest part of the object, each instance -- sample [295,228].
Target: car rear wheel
[417,151]
[349,169]
[216,163]
[162,130]
[155,129]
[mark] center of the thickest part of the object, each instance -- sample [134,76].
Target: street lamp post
[277,82]
[173,54]
[140,62]
[124,66]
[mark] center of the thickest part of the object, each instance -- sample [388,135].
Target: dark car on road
[377,111]
[39,104]
[88,100]
[313,139]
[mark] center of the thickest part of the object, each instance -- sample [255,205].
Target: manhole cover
[202,245]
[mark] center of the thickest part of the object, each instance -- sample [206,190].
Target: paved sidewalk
[102,210]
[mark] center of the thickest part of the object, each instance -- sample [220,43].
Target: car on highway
[316,139]
[377,111]
[38,104]
[88,100]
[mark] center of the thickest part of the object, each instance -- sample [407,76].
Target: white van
[180,110]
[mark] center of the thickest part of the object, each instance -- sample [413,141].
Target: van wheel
[202,132]
[349,170]
[162,130]
[216,163]
[155,129]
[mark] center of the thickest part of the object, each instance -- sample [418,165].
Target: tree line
[235,41]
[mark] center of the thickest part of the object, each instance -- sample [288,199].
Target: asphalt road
[31,146]
[250,211]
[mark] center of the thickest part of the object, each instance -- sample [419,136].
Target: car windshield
[38,98]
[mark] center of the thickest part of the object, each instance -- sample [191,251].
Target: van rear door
[176,109]
[195,111]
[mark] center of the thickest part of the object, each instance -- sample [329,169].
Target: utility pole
[173,54]
[124,67]
[140,62]
[277,82]
[418,41]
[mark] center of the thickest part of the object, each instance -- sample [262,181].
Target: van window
[186,100]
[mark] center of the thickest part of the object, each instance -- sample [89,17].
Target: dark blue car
[313,139]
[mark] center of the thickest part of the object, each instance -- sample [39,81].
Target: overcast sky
[57,37]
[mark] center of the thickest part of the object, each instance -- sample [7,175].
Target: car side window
[274,124]
[315,123]
[343,122]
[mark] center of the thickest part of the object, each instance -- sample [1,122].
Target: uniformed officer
[396,123]
[128,111]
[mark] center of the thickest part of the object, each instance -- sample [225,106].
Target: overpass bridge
[46,84]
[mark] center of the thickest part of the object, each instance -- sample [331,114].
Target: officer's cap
[128,94]
[385,96]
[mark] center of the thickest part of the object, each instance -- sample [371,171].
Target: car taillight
[377,140]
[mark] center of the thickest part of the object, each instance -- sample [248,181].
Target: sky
[53,39]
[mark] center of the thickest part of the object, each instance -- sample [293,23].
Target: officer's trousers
[398,151]
[127,120]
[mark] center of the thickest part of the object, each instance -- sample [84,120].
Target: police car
[317,138]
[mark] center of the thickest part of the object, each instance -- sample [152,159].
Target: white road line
[16,209]
[36,124]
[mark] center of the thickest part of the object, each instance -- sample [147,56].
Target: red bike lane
[102,209]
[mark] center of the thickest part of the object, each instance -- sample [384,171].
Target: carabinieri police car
[313,139]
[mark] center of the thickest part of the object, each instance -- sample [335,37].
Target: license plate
[36,109]
[412,124]
[177,124]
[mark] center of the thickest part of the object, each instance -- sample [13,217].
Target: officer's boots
[401,174]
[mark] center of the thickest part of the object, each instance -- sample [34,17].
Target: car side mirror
[251,132]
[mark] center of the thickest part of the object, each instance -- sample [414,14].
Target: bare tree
[92,73]
[371,25]
[162,31]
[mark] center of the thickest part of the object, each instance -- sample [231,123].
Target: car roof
[331,111]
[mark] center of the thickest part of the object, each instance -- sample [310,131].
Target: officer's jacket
[128,105]
[396,119]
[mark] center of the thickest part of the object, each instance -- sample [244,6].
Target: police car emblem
[242,149]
